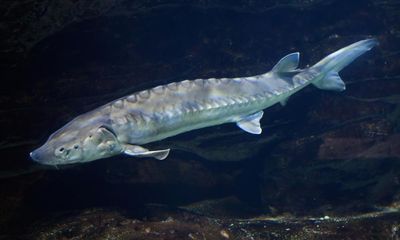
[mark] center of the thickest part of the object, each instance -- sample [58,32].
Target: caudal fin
[328,68]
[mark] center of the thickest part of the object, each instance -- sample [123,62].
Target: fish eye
[61,149]
[76,146]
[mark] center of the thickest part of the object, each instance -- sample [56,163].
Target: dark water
[326,166]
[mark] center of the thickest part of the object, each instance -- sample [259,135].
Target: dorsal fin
[288,63]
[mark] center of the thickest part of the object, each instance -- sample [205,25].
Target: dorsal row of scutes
[288,63]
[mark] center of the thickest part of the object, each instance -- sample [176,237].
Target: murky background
[327,165]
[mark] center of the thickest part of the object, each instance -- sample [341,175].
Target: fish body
[179,107]
[125,124]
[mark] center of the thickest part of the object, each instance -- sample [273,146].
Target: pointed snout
[38,155]
[41,155]
[34,155]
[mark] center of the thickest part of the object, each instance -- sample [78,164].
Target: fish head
[78,142]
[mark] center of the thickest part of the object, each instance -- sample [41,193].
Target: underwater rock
[352,166]
[189,174]
[178,224]
[225,208]
[105,224]
[353,148]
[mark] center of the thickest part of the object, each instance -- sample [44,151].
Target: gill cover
[106,140]
[75,143]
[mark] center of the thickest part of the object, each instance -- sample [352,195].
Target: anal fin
[251,123]
[331,81]
[138,151]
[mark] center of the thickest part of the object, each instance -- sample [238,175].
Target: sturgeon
[124,125]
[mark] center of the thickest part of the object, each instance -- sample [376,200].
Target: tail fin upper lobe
[329,67]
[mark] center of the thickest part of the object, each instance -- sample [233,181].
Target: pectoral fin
[251,123]
[138,151]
